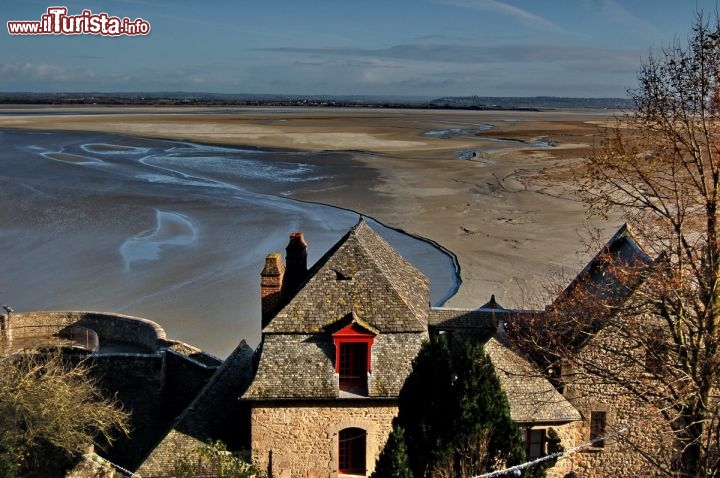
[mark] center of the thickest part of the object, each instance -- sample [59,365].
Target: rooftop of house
[360,274]
[531,396]
[607,277]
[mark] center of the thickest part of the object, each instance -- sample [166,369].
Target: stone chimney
[295,263]
[271,281]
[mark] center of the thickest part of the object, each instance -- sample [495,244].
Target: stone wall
[570,435]
[634,428]
[137,381]
[109,327]
[301,440]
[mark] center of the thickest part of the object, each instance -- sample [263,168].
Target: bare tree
[51,410]
[650,329]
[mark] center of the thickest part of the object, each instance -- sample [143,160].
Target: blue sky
[581,48]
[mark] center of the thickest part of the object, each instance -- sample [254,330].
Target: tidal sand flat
[173,231]
[495,188]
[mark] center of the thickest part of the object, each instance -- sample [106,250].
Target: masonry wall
[137,381]
[635,428]
[570,435]
[109,327]
[301,440]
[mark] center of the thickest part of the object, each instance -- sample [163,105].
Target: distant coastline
[181,98]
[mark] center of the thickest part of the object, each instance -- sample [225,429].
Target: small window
[353,366]
[598,424]
[352,358]
[535,442]
[352,444]
[340,275]
[655,354]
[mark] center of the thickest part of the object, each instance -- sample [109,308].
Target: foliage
[455,415]
[659,169]
[393,460]
[50,411]
[213,461]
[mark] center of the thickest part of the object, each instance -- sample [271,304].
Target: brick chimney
[271,280]
[295,263]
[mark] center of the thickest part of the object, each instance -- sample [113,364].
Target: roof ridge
[371,255]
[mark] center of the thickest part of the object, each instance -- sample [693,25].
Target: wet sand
[508,211]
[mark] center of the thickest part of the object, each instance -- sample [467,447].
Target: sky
[429,48]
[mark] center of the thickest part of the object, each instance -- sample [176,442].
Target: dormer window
[340,275]
[353,344]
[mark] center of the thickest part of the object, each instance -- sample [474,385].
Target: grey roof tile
[295,366]
[532,398]
[363,274]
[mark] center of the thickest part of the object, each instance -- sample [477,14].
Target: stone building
[337,344]
[622,429]
[317,397]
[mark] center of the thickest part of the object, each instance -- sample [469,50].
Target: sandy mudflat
[508,212]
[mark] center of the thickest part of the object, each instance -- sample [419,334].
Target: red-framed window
[353,345]
[353,364]
[352,445]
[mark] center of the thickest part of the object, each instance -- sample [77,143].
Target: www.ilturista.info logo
[57,22]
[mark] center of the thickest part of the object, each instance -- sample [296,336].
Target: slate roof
[363,274]
[214,414]
[597,279]
[532,398]
[362,278]
[216,406]
[442,318]
[296,366]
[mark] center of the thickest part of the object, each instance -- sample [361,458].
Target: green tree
[393,460]
[455,415]
[51,410]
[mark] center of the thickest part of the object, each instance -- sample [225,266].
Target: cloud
[621,16]
[26,71]
[447,53]
[503,8]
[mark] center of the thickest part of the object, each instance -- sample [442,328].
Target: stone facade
[300,440]
[635,429]
[570,435]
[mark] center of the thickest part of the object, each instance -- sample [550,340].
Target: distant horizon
[200,93]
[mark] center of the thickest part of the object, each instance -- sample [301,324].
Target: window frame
[350,335]
[598,430]
[352,451]
[529,442]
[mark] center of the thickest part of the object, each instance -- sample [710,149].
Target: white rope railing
[517,469]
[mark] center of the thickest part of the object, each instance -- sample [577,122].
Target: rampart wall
[154,378]
[109,327]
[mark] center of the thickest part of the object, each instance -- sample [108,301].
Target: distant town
[474,102]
